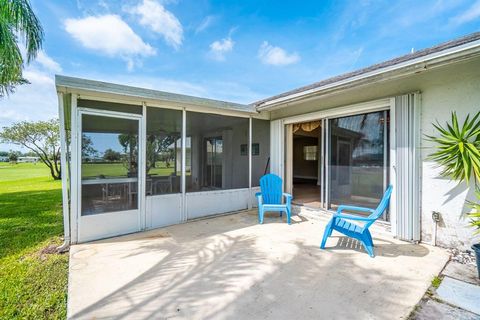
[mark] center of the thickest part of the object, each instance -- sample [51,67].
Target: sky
[238,51]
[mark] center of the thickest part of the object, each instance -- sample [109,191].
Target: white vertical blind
[184,163]
[276,147]
[250,142]
[407,188]
[288,181]
[142,170]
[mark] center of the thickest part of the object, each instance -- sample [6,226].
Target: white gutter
[84,86]
[443,57]
[63,168]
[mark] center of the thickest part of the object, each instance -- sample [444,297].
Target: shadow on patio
[383,247]
[231,267]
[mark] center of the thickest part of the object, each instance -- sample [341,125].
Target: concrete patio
[230,267]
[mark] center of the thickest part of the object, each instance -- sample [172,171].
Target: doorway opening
[306,163]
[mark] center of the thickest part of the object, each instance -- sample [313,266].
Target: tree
[158,148]
[89,153]
[29,154]
[112,155]
[40,137]
[17,22]
[129,142]
[13,156]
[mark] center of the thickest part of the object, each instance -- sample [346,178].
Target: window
[213,160]
[244,150]
[310,153]
[163,151]
[255,149]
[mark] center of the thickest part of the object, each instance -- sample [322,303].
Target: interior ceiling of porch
[165,121]
[198,123]
[382,89]
[110,106]
[100,124]
[158,120]
[170,121]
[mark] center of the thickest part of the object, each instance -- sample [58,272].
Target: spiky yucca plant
[458,148]
[458,153]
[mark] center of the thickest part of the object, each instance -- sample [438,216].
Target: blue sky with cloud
[237,51]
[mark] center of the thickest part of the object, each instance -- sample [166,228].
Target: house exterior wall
[455,87]
[452,88]
[459,92]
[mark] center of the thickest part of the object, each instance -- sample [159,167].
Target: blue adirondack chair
[340,222]
[270,197]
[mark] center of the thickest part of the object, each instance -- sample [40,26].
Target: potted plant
[458,153]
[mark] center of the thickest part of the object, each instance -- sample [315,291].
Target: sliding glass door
[357,159]
[350,166]
[213,163]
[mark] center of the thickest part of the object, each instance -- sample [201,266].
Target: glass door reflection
[358,159]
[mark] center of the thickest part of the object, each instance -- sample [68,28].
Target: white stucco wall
[459,92]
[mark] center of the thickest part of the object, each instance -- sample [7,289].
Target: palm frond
[21,17]
[18,23]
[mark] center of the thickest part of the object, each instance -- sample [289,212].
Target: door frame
[77,159]
[325,115]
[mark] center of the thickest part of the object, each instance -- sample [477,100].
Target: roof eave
[67,84]
[428,62]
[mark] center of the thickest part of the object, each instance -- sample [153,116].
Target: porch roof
[87,87]
[445,53]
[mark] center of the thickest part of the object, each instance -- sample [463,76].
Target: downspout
[63,167]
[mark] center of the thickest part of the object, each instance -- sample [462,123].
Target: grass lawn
[118,169]
[33,282]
